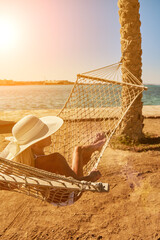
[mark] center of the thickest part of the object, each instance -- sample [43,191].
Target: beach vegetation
[124,142]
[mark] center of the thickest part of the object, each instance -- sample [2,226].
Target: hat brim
[53,123]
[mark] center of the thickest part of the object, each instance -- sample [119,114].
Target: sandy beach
[130,210]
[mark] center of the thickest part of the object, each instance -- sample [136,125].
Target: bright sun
[8,34]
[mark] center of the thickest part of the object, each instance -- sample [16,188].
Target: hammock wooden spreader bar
[109,81]
[35,182]
[80,186]
[53,181]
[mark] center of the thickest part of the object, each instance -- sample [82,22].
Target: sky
[57,39]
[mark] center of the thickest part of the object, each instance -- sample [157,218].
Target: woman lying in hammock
[31,135]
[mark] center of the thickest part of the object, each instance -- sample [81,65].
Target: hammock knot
[100,187]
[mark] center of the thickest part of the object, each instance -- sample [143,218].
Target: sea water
[53,96]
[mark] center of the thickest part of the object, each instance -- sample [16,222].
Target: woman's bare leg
[77,161]
[56,163]
[82,155]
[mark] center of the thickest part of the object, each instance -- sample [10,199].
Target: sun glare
[8,34]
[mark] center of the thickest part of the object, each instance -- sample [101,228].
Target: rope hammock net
[97,103]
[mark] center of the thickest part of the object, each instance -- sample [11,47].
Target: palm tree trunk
[129,18]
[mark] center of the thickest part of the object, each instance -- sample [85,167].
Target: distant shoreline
[46,82]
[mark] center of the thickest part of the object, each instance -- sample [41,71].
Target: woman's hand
[94,175]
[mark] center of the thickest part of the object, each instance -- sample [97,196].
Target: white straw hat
[28,131]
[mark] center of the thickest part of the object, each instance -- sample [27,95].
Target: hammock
[97,103]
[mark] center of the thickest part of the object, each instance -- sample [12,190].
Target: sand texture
[130,210]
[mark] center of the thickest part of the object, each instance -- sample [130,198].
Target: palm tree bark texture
[129,18]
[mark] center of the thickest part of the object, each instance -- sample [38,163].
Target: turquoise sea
[53,96]
[152,95]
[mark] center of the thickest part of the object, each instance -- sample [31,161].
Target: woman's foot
[99,141]
[99,136]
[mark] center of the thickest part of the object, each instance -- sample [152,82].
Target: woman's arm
[56,163]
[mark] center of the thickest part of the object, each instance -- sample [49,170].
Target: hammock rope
[97,103]
[42,184]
